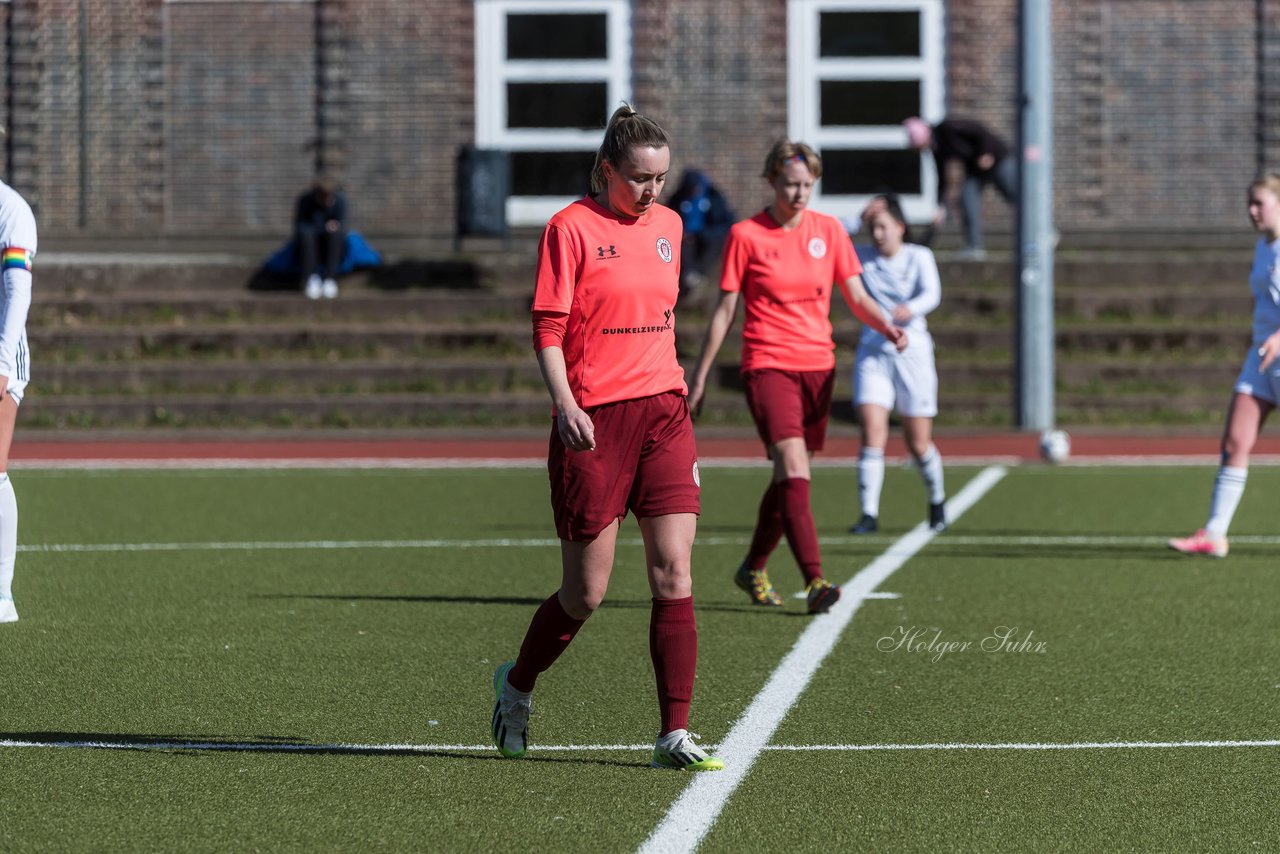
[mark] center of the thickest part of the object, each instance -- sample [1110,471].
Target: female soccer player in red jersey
[1258,386]
[784,262]
[603,314]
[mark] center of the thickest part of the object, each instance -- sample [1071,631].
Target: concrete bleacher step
[181,340]
[306,333]
[143,307]
[143,376]
[111,272]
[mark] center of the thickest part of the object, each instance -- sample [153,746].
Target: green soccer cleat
[510,716]
[677,751]
[757,585]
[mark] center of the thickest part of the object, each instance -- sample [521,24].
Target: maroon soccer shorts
[790,404]
[645,461]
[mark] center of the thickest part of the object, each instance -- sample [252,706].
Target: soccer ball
[1055,446]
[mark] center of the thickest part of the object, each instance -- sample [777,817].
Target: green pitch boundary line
[418,749]
[543,542]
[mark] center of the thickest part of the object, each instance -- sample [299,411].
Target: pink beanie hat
[919,133]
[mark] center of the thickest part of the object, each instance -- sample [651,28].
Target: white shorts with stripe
[22,370]
[1264,385]
[906,381]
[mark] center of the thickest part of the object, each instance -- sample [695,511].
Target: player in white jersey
[17,249]
[1258,386]
[903,279]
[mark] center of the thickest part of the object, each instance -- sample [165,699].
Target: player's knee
[581,604]
[671,580]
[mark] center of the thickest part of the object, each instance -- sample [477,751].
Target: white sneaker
[8,613]
[329,289]
[510,716]
[678,751]
[314,288]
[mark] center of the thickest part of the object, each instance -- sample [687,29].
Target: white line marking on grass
[698,807]
[349,747]
[295,747]
[288,545]
[1030,745]
[546,542]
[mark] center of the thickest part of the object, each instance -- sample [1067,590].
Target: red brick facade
[151,117]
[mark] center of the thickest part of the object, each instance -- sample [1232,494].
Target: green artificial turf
[257,681]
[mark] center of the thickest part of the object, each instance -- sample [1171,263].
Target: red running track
[1020,446]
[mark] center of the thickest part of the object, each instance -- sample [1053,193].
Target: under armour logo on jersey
[610,251]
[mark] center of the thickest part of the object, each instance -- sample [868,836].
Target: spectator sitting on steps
[320,233]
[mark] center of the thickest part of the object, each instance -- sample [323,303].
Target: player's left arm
[16,261]
[928,293]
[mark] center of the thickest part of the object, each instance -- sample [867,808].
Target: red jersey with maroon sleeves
[617,279]
[786,279]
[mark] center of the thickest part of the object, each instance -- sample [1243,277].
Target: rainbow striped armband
[15,258]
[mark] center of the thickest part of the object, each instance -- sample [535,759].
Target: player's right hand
[897,337]
[1269,350]
[576,430]
[697,394]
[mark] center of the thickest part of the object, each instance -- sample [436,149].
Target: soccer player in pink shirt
[783,264]
[604,331]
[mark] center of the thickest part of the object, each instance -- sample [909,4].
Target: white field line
[546,542]
[428,464]
[698,807]
[350,747]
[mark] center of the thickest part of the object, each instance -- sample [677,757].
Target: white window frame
[806,70]
[494,72]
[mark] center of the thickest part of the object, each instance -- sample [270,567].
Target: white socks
[931,474]
[8,536]
[1228,487]
[870,480]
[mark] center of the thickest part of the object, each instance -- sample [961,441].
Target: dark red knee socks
[768,529]
[797,521]
[549,634]
[673,645]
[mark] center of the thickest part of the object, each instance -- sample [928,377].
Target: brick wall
[1156,104]
[240,113]
[200,117]
[410,77]
[716,86]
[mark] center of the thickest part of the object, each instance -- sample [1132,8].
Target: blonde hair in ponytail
[627,129]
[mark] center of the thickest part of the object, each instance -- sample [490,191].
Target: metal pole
[1036,235]
[83,115]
